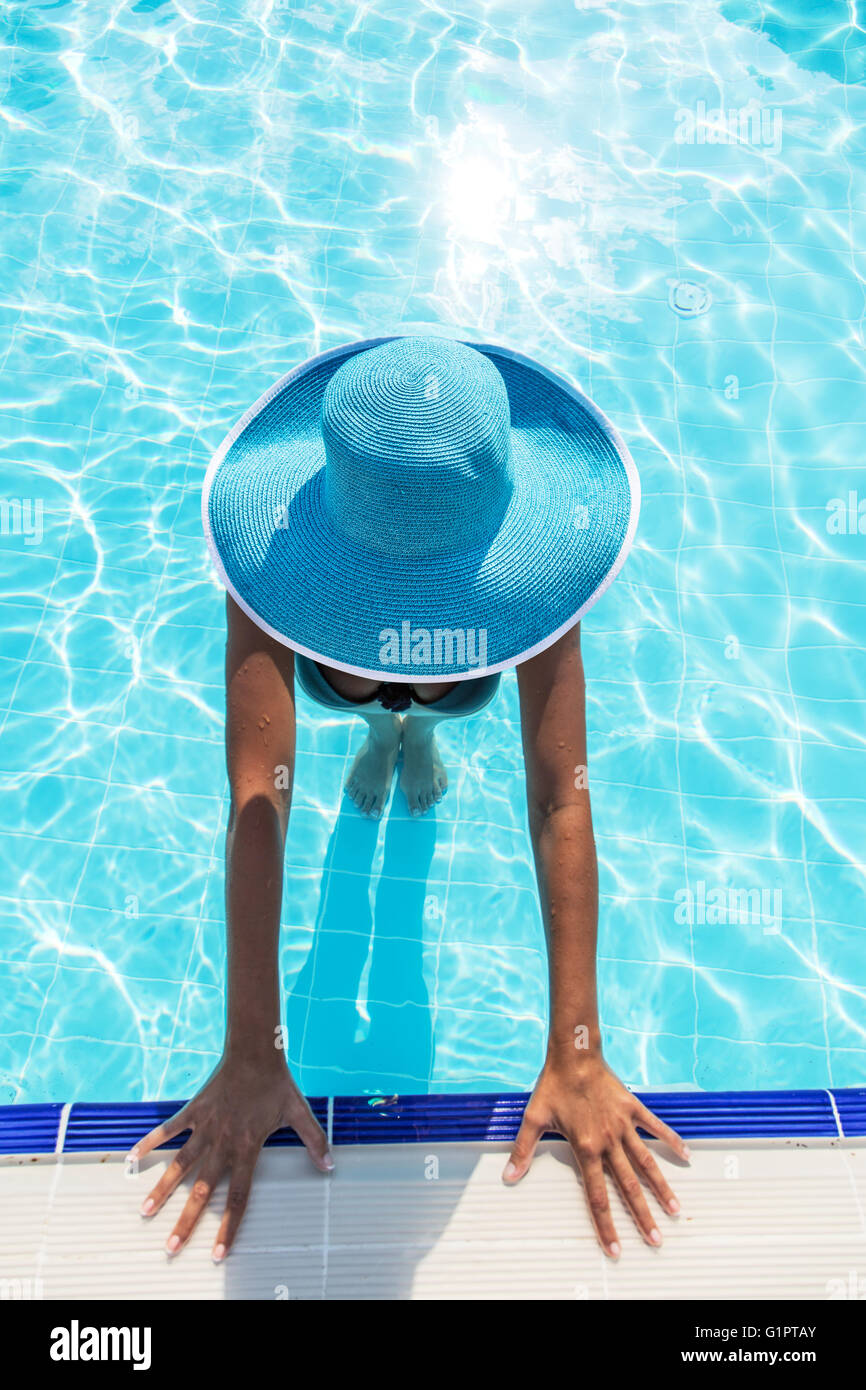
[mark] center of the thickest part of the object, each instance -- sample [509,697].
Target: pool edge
[86,1127]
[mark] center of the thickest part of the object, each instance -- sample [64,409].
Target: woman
[396,522]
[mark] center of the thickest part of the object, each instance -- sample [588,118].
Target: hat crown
[417,436]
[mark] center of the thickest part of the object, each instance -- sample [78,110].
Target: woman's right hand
[230,1118]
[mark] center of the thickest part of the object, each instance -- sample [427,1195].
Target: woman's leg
[371,773]
[372,770]
[424,779]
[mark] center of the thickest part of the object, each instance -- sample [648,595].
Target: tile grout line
[62,1125]
[326,1222]
[836,1115]
[59,1142]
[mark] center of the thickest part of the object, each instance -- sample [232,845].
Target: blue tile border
[496,1118]
[29,1129]
[851,1107]
[106,1126]
[453,1118]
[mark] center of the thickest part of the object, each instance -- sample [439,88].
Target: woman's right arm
[251,1093]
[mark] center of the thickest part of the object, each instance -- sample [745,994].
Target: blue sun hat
[420,508]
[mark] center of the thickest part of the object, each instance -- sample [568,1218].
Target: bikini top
[396,697]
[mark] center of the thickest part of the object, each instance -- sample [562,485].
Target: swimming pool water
[663,201]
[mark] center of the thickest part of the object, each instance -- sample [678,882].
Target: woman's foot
[423,779]
[369,780]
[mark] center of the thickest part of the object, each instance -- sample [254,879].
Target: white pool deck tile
[760,1220]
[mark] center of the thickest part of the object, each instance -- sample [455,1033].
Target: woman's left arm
[576,1094]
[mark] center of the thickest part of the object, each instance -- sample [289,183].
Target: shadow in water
[360,1010]
[360,1007]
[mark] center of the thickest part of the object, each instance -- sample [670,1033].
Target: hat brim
[563,539]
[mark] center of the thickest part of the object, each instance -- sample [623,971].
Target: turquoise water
[195,198]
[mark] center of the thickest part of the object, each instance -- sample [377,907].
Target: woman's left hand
[582,1100]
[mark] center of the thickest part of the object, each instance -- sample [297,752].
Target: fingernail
[147,1207]
[219,1253]
[655,1237]
[133,1154]
[673,1206]
[328,1162]
[614,1249]
[509,1172]
[172,1244]
[687,1153]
